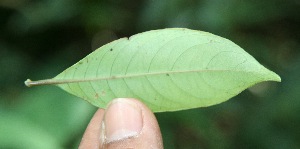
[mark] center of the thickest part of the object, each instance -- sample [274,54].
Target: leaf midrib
[64,81]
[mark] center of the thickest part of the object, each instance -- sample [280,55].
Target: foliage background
[40,38]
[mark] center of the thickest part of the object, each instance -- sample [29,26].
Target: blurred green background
[41,38]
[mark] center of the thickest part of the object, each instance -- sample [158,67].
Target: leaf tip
[277,78]
[274,77]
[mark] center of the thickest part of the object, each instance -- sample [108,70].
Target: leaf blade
[169,69]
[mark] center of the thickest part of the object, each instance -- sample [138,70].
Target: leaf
[168,69]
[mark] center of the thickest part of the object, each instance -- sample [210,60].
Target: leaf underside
[168,70]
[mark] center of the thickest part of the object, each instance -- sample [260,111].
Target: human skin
[126,123]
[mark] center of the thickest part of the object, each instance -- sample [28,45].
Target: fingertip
[123,119]
[128,123]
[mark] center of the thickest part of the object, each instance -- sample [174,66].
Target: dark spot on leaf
[80,62]
[167,74]
[111,49]
[96,96]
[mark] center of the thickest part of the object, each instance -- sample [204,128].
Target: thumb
[126,123]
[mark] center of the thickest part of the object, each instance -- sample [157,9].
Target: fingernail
[123,119]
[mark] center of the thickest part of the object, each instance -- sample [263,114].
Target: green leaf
[168,69]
